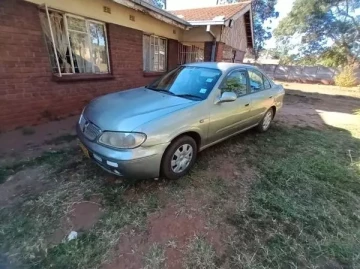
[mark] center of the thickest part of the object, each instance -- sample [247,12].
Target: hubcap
[267,120]
[182,158]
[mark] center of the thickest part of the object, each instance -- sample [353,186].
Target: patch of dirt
[45,137]
[317,111]
[84,215]
[168,225]
[129,251]
[22,184]
[321,89]
[170,229]
[81,216]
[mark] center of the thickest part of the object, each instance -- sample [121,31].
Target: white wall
[186,4]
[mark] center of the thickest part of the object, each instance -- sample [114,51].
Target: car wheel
[266,121]
[179,158]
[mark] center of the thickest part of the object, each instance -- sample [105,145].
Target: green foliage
[262,11]
[333,57]
[346,78]
[321,21]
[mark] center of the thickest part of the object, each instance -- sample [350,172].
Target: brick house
[55,56]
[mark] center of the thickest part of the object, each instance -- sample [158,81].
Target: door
[230,117]
[261,95]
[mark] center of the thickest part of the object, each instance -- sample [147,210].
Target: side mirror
[227,97]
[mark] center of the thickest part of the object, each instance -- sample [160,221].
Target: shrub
[346,78]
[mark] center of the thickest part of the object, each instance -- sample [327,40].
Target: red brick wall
[173,50]
[218,51]
[28,93]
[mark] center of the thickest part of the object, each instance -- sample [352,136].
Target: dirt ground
[174,233]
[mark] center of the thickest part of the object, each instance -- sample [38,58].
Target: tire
[179,158]
[265,122]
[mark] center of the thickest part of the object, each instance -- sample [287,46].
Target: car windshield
[188,82]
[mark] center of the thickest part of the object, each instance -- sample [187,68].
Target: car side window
[267,84]
[235,82]
[256,81]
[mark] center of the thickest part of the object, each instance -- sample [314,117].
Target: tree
[329,28]
[159,3]
[262,11]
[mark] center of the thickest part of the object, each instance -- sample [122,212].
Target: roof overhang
[155,12]
[248,18]
[225,22]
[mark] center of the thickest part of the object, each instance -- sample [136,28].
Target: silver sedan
[158,130]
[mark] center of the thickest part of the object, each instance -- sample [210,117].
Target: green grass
[155,257]
[304,210]
[93,247]
[55,159]
[26,228]
[200,254]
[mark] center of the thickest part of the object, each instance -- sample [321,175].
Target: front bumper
[138,163]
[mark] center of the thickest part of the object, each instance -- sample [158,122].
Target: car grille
[89,129]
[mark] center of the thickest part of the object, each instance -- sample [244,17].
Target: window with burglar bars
[154,53]
[75,44]
[190,54]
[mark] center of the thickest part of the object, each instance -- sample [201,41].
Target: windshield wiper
[189,95]
[160,90]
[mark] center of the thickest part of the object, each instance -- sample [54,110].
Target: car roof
[223,66]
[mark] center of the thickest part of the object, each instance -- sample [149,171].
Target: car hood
[126,110]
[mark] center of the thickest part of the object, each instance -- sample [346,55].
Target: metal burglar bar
[189,54]
[76,44]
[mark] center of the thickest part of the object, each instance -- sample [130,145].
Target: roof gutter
[211,22]
[155,12]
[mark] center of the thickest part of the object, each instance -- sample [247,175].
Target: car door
[230,117]
[261,95]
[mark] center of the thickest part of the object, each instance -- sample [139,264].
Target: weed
[346,78]
[200,254]
[155,257]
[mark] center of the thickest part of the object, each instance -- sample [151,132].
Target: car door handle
[247,104]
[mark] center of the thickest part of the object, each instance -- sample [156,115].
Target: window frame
[264,77]
[151,62]
[65,16]
[245,71]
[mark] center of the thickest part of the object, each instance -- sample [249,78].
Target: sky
[283,7]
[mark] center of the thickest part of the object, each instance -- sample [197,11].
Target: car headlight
[122,139]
